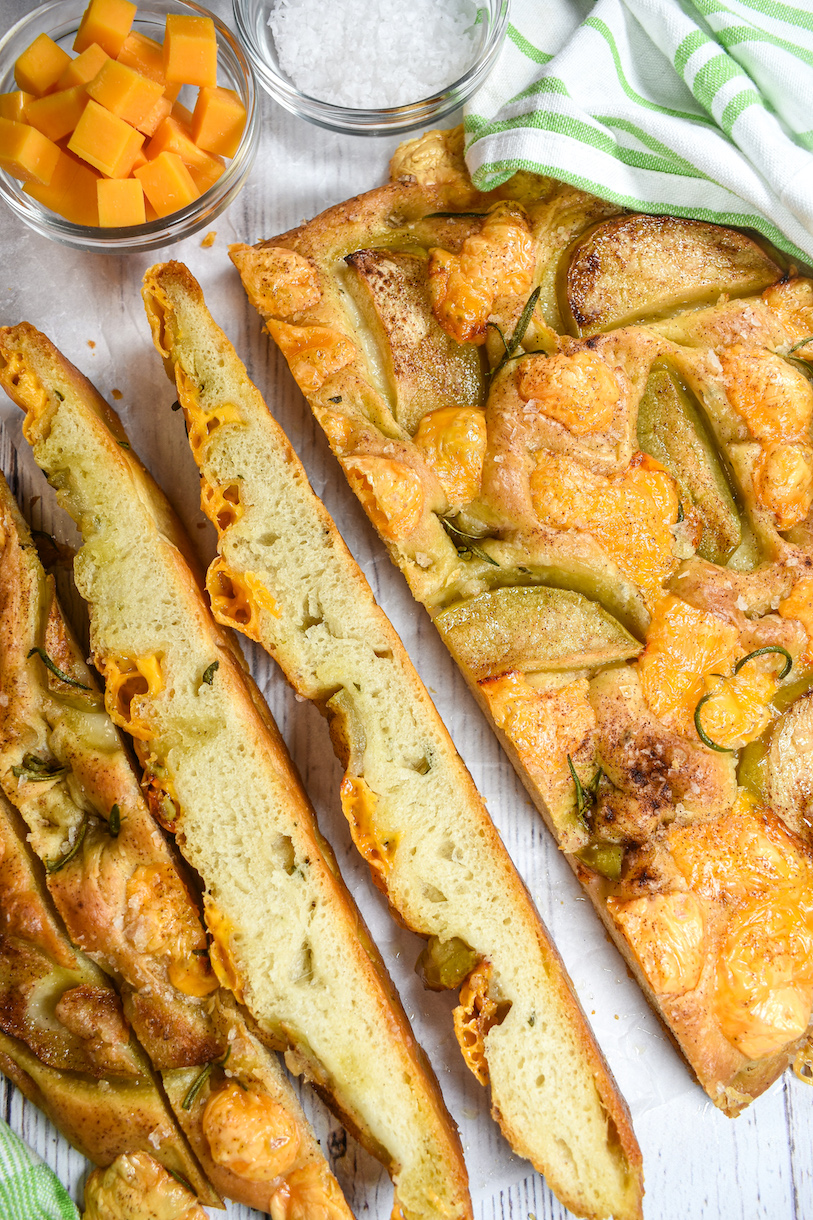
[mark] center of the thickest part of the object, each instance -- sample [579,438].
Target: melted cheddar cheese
[201,425]
[391,494]
[688,655]
[222,504]
[314,353]
[579,391]
[161,923]
[776,402]
[630,517]
[285,282]
[760,876]
[799,605]
[249,1133]
[136,1187]
[238,598]
[545,727]
[221,956]
[453,442]
[666,935]
[359,803]
[307,1194]
[473,1018]
[498,261]
[130,684]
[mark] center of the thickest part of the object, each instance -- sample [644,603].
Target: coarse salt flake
[370,55]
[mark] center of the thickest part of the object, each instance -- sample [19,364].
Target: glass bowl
[251,17]
[60,20]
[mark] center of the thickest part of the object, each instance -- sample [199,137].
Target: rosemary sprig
[209,673]
[114,822]
[53,866]
[585,796]
[519,330]
[701,733]
[55,670]
[36,770]
[762,652]
[200,1080]
[466,544]
[455,215]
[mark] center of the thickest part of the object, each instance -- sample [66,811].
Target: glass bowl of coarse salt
[371,67]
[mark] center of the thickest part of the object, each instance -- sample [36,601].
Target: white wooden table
[697,1163]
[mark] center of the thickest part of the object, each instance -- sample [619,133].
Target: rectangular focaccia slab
[585,439]
[284,577]
[286,937]
[125,900]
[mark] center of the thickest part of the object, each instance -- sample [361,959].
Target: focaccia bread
[284,577]
[286,937]
[123,898]
[64,1040]
[585,439]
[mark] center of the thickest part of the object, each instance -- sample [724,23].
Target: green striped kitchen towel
[29,1190]
[700,108]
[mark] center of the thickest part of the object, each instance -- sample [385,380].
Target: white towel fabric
[694,107]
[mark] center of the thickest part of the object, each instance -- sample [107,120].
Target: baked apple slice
[533,629]
[638,267]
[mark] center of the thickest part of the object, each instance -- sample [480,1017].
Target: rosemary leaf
[53,866]
[114,822]
[55,670]
[466,544]
[37,771]
[762,652]
[196,1086]
[801,343]
[701,733]
[519,330]
[455,215]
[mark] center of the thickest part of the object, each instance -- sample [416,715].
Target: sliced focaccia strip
[121,893]
[412,808]
[63,1036]
[286,937]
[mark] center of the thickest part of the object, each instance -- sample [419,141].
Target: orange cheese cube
[190,50]
[146,56]
[167,183]
[26,153]
[106,22]
[121,202]
[183,115]
[141,159]
[206,175]
[218,121]
[125,92]
[57,114]
[40,66]
[12,105]
[160,111]
[83,68]
[172,136]
[71,191]
[105,141]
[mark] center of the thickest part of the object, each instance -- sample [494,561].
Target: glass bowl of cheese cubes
[123,128]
